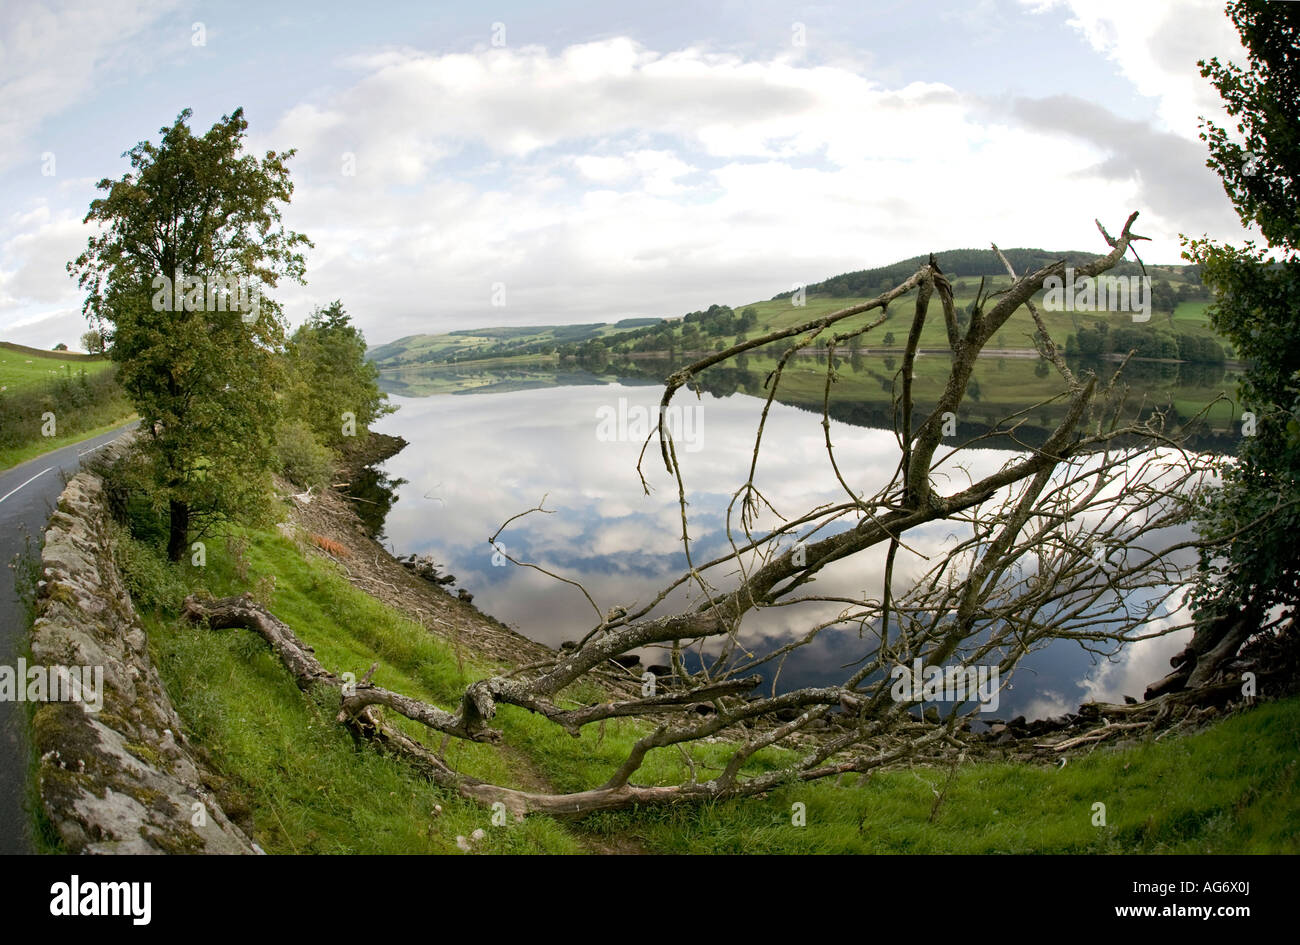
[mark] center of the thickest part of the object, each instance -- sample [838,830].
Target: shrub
[153,581]
[80,401]
[302,458]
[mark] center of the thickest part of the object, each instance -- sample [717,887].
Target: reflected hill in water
[863,390]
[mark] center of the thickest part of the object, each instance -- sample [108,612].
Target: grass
[1231,789]
[24,368]
[12,456]
[286,764]
[296,776]
[72,396]
[1016,334]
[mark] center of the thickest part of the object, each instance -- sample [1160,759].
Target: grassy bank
[48,402]
[12,456]
[297,781]
[21,365]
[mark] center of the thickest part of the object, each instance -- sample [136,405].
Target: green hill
[23,368]
[1177,329]
[476,344]
[49,399]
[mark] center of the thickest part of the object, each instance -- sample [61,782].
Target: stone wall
[121,779]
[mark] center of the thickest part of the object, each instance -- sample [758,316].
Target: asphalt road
[28,494]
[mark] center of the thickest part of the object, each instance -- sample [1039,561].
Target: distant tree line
[1101,339]
[868,283]
[694,331]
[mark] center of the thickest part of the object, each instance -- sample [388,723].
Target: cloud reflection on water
[475,460]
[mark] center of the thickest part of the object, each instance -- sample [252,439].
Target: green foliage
[127,483]
[302,458]
[93,341]
[592,355]
[1144,341]
[80,401]
[153,582]
[26,566]
[1253,518]
[1164,298]
[1261,169]
[1253,564]
[202,380]
[329,376]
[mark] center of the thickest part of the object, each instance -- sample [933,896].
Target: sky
[466,165]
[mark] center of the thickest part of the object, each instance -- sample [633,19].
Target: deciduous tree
[1249,583]
[193,219]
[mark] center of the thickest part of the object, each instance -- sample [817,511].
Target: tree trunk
[178,530]
[1213,646]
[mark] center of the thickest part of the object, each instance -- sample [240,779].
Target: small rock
[477,835]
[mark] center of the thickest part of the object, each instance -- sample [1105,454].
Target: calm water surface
[478,457]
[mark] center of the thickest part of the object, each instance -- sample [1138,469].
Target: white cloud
[1156,44]
[1139,665]
[1048,705]
[607,180]
[656,172]
[40,239]
[52,55]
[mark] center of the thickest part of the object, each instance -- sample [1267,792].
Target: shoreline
[331,527]
[552,360]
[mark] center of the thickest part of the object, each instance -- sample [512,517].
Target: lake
[487,444]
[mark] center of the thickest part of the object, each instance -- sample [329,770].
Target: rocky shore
[326,524]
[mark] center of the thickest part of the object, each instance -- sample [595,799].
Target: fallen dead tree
[356,700]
